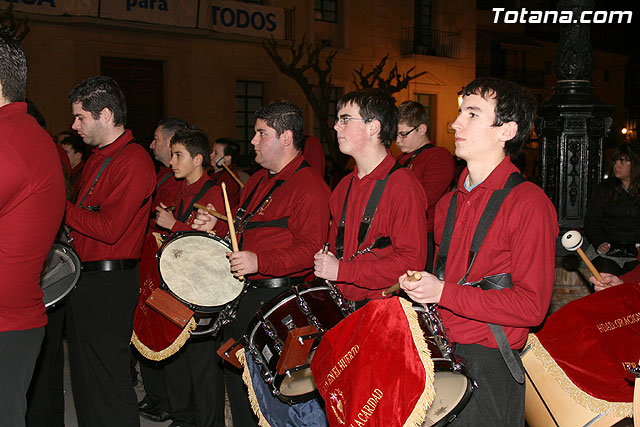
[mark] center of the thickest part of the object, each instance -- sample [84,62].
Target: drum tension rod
[303,338]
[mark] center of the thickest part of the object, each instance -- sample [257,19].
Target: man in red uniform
[155,405]
[314,153]
[489,324]
[76,152]
[365,265]
[109,220]
[228,149]
[282,222]
[32,182]
[434,166]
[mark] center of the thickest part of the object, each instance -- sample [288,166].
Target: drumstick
[413,278]
[572,240]
[232,228]
[220,162]
[212,212]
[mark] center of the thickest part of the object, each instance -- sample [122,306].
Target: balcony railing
[425,41]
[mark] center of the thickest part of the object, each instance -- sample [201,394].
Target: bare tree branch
[392,83]
[8,20]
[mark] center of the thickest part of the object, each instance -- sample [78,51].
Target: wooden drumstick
[572,240]
[232,228]
[212,212]
[413,278]
[220,162]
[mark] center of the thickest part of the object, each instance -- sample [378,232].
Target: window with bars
[249,97]
[428,101]
[326,10]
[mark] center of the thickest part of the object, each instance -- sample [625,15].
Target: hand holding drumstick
[425,290]
[242,262]
[413,278]
[572,241]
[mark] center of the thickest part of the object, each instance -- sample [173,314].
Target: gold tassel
[169,351]
[595,405]
[253,399]
[419,413]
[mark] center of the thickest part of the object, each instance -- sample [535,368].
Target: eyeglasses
[346,119]
[405,134]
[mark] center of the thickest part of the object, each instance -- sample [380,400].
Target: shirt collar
[381,171]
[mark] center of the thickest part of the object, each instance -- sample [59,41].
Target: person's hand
[243,263]
[608,280]
[204,221]
[604,248]
[164,218]
[325,266]
[426,290]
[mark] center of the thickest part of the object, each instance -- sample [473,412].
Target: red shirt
[401,215]
[314,153]
[117,230]
[435,169]
[32,194]
[304,200]
[233,188]
[64,158]
[74,177]
[185,196]
[167,187]
[520,241]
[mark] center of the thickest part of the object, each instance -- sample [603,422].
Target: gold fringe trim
[595,405]
[246,377]
[419,413]
[169,351]
[159,239]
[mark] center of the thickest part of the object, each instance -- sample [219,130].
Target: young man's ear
[227,160]
[198,159]
[286,137]
[375,127]
[106,115]
[509,131]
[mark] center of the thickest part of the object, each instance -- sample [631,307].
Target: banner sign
[179,13]
[242,18]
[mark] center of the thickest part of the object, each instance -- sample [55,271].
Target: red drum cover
[155,336]
[375,368]
[593,340]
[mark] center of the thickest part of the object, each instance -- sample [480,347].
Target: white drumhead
[300,382]
[196,269]
[450,389]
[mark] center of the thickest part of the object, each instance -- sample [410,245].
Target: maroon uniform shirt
[314,154]
[117,230]
[32,194]
[185,195]
[304,200]
[233,188]
[401,216]
[521,241]
[167,188]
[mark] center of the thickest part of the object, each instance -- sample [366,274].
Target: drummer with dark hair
[282,221]
[496,235]
[380,197]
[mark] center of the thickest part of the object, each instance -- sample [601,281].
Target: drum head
[60,274]
[452,390]
[195,268]
[299,383]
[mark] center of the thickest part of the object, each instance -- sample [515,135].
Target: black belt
[109,265]
[278,282]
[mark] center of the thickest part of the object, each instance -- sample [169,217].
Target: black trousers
[253,300]
[99,327]
[18,353]
[154,381]
[499,399]
[45,400]
[195,384]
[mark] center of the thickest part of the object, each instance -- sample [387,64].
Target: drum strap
[418,151]
[488,215]
[164,179]
[367,218]
[184,215]
[242,221]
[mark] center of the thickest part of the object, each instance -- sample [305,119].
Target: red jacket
[304,200]
[520,241]
[233,188]
[185,196]
[32,194]
[401,215]
[117,230]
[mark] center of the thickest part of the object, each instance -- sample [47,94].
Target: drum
[304,305]
[452,384]
[193,267]
[60,274]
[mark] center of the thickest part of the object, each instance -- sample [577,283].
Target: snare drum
[60,274]
[304,305]
[452,384]
[193,267]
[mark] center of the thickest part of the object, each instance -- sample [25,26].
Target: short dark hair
[412,113]
[77,144]
[375,104]
[282,116]
[13,68]
[196,142]
[514,103]
[98,93]
[231,147]
[171,125]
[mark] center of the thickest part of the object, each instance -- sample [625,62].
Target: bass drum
[60,274]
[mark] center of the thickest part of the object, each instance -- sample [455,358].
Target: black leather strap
[183,214]
[418,151]
[109,265]
[277,282]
